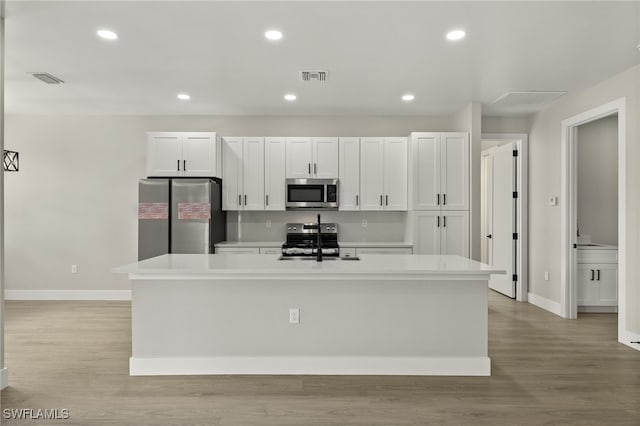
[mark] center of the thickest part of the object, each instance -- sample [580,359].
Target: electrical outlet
[364,223]
[546,275]
[294,315]
[268,223]
[74,269]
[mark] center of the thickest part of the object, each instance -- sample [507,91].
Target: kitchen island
[382,314]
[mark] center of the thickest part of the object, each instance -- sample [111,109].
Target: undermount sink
[588,245]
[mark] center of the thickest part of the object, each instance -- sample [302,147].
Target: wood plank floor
[546,371]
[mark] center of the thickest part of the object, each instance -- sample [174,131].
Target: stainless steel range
[302,241]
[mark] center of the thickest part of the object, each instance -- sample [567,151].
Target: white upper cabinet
[325,158]
[171,154]
[349,174]
[274,173]
[440,171]
[383,173]
[312,158]
[243,173]
[395,174]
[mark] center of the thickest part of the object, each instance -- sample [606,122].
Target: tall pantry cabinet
[440,193]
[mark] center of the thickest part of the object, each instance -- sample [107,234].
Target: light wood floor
[546,371]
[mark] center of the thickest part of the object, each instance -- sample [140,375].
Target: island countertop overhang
[226,266]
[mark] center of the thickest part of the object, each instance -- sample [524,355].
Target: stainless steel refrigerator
[179,215]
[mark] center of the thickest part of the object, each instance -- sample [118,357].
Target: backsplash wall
[381,226]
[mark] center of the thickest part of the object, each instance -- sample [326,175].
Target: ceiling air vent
[314,75]
[47,78]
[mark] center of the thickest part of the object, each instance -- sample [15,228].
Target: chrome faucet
[319,249]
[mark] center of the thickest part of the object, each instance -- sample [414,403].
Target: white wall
[506,124]
[469,119]
[74,199]
[544,181]
[597,144]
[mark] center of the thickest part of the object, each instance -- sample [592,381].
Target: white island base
[229,314]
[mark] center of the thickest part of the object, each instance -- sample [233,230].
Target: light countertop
[259,266]
[272,244]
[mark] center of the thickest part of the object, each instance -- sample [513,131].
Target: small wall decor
[10,161]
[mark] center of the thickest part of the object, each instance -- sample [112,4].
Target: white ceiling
[374,52]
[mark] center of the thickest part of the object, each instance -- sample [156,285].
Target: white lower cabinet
[441,232]
[597,282]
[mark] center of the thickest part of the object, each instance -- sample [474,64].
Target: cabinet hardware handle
[184,165]
[266,199]
[315,169]
[444,221]
[591,274]
[386,200]
[489,236]
[178,165]
[380,199]
[245,199]
[239,199]
[309,164]
[357,201]
[598,277]
[444,199]
[438,202]
[438,225]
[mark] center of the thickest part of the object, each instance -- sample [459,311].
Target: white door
[164,151]
[427,232]
[199,154]
[299,158]
[253,173]
[349,174]
[395,174]
[503,219]
[274,173]
[486,203]
[232,173]
[325,158]
[371,173]
[426,166]
[454,229]
[454,171]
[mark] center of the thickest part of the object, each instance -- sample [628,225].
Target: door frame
[569,209]
[521,141]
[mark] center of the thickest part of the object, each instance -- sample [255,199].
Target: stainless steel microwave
[312,194]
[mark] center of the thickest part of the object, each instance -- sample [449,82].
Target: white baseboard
[67,294]
[403,366]
[626,337]
[4,378]
[546,304]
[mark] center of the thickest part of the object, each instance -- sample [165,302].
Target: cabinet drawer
[597,256]
[384,250]
[271,250]
[238,250]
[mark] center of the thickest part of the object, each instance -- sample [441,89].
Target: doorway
[504,211]
[569,214]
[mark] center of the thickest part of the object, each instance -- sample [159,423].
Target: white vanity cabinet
[597,278]
[183,154]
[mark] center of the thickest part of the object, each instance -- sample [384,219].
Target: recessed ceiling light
[408,97]
[273,35]
[290,97]
[107,34]
[456,35]
[183,96]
